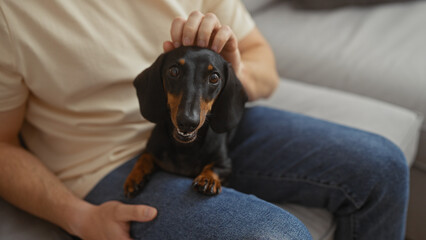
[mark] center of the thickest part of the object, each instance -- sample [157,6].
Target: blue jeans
[279,156]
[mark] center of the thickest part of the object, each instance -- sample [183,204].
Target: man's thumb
[138,213]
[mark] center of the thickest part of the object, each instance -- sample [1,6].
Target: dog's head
[189,85]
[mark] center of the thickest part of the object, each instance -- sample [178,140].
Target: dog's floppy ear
[150,91]
[229,105]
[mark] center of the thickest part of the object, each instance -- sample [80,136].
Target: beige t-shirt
[73,64]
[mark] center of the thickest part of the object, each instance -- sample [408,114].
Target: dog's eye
[174,71]
[214,78]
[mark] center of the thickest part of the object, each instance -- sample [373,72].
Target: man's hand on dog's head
[205,30]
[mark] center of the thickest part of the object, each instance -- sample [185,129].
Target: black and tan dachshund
[196,101]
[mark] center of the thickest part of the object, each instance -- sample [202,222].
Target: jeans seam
[349,194]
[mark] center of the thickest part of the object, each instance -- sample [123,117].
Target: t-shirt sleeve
[232,13]
[13,91]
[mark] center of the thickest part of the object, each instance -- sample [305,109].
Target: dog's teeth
[185,134]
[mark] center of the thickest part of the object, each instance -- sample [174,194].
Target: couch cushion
[19,225]
[399,125]
[324,4]
[255,5]
[320,222]
[376,51]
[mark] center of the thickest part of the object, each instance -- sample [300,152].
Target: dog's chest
[186,164]
[187,160]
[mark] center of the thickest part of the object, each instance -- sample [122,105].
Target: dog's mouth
[184,137]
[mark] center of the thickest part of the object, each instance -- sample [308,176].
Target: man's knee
[382,169]
[230,215]
[263,220]
[285,227]
[392,173]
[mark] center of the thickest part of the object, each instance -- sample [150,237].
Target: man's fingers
[168,46]
[204,31]
[209,24]
[138,213]
[190,29]
[223,35]
[176,31]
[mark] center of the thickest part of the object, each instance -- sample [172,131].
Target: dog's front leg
[139,175]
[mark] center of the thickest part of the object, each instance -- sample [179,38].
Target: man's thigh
[186,214]
[286,157]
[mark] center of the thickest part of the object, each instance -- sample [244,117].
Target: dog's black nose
[188,123]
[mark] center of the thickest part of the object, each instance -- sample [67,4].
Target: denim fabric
[279,156]
[360,177]
[186,214]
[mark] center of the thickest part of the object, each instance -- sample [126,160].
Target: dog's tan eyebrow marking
[210,67]
[181,61]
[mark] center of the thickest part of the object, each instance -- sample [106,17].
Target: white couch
[363,67]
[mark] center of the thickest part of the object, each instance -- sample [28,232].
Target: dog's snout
[187,123]
[188,114]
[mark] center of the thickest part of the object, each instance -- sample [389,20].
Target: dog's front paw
[207,184]
[134,184]
[139,175]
